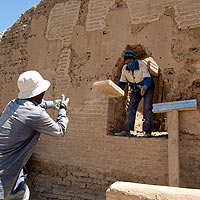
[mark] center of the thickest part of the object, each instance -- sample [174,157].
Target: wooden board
[108,88]
[152,66]
[176,105]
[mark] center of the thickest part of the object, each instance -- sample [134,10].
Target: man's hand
[143,90]
[64,102]
[56,103]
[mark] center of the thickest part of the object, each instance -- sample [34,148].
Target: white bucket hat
[31,84]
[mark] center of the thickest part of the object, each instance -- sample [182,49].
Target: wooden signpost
[172,109]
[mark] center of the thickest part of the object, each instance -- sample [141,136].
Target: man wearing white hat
[21,123]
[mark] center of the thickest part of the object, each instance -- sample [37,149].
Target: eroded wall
[74,43]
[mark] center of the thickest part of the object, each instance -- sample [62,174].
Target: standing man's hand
[143,90]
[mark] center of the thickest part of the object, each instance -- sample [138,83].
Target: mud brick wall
[73,43]
[57,179]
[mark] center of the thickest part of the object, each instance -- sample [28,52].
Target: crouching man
[21,123]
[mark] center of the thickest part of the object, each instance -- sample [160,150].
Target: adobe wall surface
[74,43]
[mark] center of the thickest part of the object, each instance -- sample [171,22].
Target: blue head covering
[129,54]
[132,65]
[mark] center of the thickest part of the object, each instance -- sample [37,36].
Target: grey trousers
[21,195]
[21,190]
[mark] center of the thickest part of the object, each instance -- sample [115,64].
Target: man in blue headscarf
[135,72]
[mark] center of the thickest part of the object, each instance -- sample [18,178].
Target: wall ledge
[134,191]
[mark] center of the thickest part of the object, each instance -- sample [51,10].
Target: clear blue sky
[11,10]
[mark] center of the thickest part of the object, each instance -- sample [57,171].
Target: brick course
[97,12]
[62,19]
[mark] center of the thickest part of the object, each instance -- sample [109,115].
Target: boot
[147,134]
[122,133]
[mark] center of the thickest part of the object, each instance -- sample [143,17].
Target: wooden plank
[108,88]
[173,147]
[177,102]
[152,66]
[176,105]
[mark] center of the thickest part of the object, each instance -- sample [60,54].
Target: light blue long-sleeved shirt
[21,123]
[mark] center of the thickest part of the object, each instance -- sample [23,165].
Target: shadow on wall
[118,106]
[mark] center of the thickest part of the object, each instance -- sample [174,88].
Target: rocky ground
[141,134]
[153,134]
